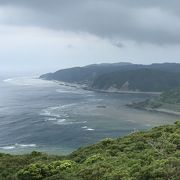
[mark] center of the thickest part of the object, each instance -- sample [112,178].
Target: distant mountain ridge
[84,74]
[122,76]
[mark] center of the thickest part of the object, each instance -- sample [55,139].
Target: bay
[48,117]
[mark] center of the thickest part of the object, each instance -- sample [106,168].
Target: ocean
[48,117]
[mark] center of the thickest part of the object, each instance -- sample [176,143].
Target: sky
[46,35]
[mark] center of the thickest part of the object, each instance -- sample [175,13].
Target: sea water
[48,117]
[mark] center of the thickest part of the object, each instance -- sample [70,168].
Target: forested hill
[154,154]
[85,74]
[138,80]
[123,76]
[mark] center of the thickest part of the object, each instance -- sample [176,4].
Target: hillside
[154,154]
[84,74]
[138,80]
[121,76]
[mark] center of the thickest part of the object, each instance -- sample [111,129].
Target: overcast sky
[46,35]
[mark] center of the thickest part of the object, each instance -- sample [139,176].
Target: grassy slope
[154,154]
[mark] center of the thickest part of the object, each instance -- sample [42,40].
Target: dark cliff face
[155,77]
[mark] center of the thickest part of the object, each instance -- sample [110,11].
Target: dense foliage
[154,154]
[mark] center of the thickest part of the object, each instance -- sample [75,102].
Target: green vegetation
[154,154]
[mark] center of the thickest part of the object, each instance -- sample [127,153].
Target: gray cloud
[118,44]
[152,21]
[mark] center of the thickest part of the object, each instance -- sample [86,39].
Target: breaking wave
[17,146]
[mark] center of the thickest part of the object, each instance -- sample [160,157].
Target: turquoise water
[44,116]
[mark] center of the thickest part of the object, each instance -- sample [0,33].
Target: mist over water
[45,116]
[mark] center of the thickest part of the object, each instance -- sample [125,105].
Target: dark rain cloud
[142,21]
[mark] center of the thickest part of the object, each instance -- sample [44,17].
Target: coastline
[167,111]
[157,110]
[123,92]
[86,87]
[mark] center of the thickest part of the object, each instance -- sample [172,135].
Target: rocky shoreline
[143,106]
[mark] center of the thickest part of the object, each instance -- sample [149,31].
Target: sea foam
[17,146]
[7,147]
[90,129]
[29,81]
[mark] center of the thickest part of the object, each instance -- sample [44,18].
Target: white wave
[57,111]
[63,91]
[51,119]
[15,146]
[25,145]
[45,113]
[90,129]
[7,80]
[59,114]
[54,108]
[29,81]
[81,122]
[61,120]
[66,122]
[50,113]
[84,127]
[59,107]
[70,90]
[68,105]
[87,129]
[7,147]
